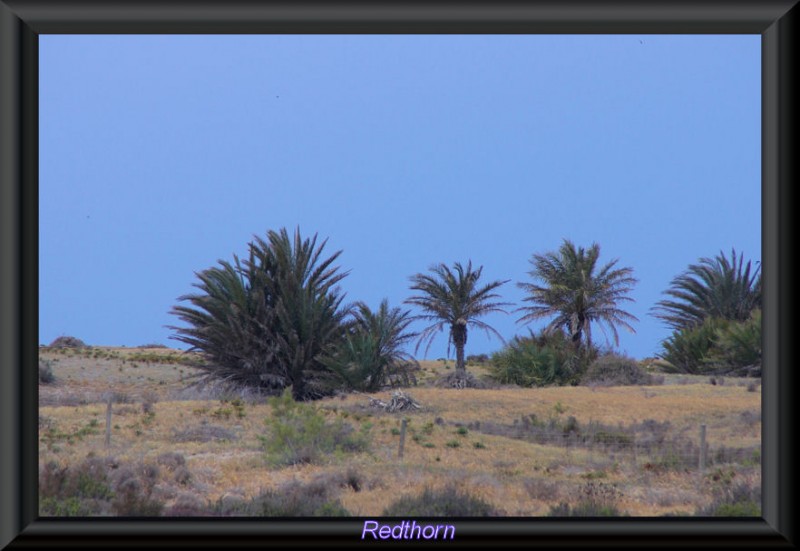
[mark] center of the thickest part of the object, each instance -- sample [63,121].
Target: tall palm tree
[717,287]
[452,300]
[577,293]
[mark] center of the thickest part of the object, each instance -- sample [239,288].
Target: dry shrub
[594,500]
[171,460]
[450,501]
[68,342]
[203,433]
[98,486]
[293,499]
[46,375]
[456,380]
[616,370]
[541,489]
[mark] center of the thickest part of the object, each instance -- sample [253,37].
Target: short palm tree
[372,354]
[453,300]
[718,287]
[576,292]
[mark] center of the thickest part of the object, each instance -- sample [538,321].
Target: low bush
[733,500]
[293,499]
[68,342]
[133,492]
[300,433]
[616,370]
[541,489]
[46,375]
[596,500]
[98,487]
[449,501]
[546,359]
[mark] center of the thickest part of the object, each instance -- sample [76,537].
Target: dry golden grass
[517,477]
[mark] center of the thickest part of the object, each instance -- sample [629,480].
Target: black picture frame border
[22,21]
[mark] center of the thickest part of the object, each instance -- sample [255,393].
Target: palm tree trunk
[459,332]
[461,369]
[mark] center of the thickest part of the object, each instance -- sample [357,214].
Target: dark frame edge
[19,327]
[10,351]
[779,147]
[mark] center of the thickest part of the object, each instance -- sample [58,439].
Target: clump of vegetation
[293,499]
[459,380]
[371,355]
[616,370]
[133,492]
[449,501]
[715,312]
[46,375]
[300,433]
[82,490]
[98,486]
[542,489]
[68,342]
[596,500]
[733,500]
[540,360]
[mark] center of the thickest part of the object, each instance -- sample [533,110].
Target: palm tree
[717,287]
[267,322]
[578,293]
[452,300]
[372,352]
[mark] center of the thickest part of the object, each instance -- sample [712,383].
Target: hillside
[523,451]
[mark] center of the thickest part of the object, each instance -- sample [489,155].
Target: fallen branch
[400,402]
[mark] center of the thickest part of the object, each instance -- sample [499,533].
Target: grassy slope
[518,477]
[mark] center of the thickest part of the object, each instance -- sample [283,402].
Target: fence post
[402,438]
[702,448]
[108,422]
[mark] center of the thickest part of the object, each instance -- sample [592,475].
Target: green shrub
[546,359]
[371,356]
[299,433]
[737,347]
[616,370]
[447,502]
[686,350]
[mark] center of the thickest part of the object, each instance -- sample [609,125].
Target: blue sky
[160,155]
